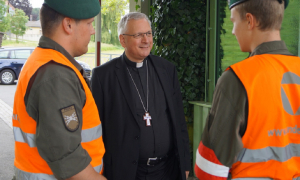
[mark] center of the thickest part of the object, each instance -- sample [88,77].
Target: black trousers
[166,170]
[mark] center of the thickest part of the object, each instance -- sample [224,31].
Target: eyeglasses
[140,35]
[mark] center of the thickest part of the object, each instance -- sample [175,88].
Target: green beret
[233,3]
[77,9]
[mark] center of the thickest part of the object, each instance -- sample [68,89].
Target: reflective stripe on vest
[280,154]
[298,178]
[211,168]
[22,175]
[87,135]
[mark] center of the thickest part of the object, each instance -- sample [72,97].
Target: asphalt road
[7,93]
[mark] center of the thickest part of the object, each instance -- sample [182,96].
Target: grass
[105,48]
[232,51]
[289,34]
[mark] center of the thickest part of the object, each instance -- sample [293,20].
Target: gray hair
[122,26]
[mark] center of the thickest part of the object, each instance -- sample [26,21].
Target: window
[4,54]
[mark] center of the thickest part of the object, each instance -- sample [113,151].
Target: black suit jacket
[110,86]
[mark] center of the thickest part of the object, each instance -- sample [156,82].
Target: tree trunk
[1,37]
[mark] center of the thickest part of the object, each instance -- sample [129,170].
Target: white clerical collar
[139,65]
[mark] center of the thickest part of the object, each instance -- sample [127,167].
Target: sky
[36,3]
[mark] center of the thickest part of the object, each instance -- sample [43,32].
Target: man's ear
[122,40]
[67,24]
[251,20]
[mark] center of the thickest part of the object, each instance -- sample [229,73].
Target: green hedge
[180,37]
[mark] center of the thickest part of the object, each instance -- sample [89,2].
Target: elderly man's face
[137,49]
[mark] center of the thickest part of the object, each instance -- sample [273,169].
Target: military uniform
[57,85]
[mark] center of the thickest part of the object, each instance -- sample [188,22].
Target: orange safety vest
[272,139]
[28,163]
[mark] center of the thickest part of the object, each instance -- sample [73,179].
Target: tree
[35,14]
[22,4]
[4,17]
[18,21]
[116,6]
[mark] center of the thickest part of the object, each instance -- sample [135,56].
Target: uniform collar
[272,47]
[48,43]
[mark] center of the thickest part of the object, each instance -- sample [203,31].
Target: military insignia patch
[70,118]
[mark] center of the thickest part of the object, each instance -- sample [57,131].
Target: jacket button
[134,162]
[137,137]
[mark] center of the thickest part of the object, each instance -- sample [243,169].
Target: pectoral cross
[147,118]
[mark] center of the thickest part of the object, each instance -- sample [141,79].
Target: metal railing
[111,56]
[89,58]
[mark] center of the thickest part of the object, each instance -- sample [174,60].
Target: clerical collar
[133,64]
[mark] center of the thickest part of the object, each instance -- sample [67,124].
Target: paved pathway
[6,134]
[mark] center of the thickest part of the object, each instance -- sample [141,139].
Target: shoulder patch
[70,118]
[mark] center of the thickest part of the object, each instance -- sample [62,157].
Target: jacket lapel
[166,84]
[124,81]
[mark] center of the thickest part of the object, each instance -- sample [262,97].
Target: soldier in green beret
[58,133]
[252,131]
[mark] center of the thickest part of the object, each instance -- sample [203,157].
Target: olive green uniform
[227,119]
[53,87]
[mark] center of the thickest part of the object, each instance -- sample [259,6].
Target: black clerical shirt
[155,140]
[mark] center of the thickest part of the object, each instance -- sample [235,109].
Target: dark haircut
[50,19]
[269,13]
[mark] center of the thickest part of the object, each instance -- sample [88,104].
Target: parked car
[12,60]
[86,68]
[11,63]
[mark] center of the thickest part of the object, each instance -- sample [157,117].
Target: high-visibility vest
[272,139]
[28,163]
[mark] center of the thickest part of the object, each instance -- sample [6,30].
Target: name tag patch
[70,118]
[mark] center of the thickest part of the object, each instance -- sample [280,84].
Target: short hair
[50,19]
[122,26]
[269,13]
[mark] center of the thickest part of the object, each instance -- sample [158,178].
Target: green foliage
[111,12]
[232,52]
[290,26]
[180,37]
[289,34]
[13,43]
[223,5]
[35,14]
[18,21]
[22,4]
[5,19]
[116,6]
